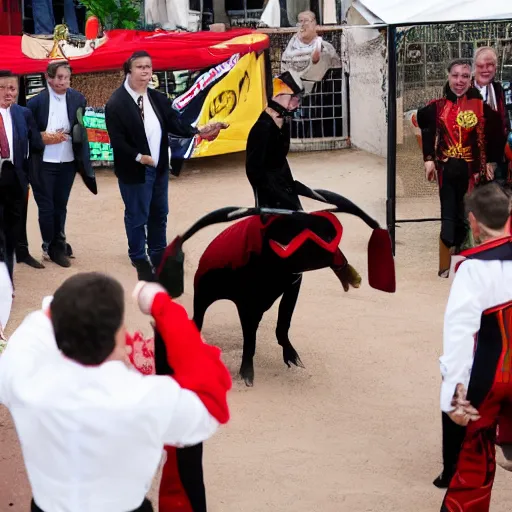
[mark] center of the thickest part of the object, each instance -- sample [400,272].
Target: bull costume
[248,264]
[480,302]
[461,134]
[259,259]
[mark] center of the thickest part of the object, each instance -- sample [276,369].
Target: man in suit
[57,111]
[139,121]
[485,66]
[18,134]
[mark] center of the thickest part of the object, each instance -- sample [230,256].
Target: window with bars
[321,114]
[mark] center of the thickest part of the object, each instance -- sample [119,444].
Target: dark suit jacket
[40,107]
[26,137]
[128,137]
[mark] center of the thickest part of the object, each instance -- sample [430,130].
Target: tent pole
[391,153]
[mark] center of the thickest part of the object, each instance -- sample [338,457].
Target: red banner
[169,50]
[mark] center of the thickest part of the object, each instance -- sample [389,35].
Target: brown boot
[445,258]
[348,276]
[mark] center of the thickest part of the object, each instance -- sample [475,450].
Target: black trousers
[145,507]
[51,193]
[22,245]
[12,196]
[454,186]
[453,437]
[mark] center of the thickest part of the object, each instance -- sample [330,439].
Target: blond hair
[483,50]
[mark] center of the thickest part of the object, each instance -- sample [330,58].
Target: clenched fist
[144,294]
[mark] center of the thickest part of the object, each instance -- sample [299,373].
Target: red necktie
[5,152]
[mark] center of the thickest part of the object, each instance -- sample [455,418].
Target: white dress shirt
[92,437]
[488,94]
[7,118]
[152,125]
[58,120]
[478,285]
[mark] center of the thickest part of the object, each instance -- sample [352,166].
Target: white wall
[368,89]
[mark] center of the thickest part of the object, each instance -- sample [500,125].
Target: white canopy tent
[401,13]
[415,12]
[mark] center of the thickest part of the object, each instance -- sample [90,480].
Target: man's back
[92,437]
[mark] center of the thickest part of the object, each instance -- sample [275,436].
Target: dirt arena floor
[359,429]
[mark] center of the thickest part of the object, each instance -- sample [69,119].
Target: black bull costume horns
[255,261]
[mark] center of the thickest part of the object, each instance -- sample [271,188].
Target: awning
[169,50]
[397,12]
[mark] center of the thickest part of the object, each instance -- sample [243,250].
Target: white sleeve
[188,422]
[461,323]
[27,348]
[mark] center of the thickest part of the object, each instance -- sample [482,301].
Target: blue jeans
[51,193]
[44,21]
[146,206]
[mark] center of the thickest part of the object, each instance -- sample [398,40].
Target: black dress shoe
[69,252]
[31,262]
[60,258]
[144,270]
[443,481]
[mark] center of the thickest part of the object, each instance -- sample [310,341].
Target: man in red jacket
[92,429]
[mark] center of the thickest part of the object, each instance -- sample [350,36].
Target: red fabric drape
[169,51]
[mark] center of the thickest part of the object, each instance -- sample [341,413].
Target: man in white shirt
[476,364]
[92,430]
[139,121]
[55,111]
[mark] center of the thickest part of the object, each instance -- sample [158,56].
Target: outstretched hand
[211,131]
[464,412]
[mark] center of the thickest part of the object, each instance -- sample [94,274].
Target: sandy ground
[359,428]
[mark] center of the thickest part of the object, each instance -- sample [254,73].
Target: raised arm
[197,366]
[175,126]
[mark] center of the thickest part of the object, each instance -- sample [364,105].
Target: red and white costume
[477,354]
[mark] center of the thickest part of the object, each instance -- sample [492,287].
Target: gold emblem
[459,151]
[467,119]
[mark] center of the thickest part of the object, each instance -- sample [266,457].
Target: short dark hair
[490,204]
[6,73]
[87,311]
[54,66]
[127,66]
[459,62]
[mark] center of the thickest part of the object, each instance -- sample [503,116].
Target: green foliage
[124,14]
